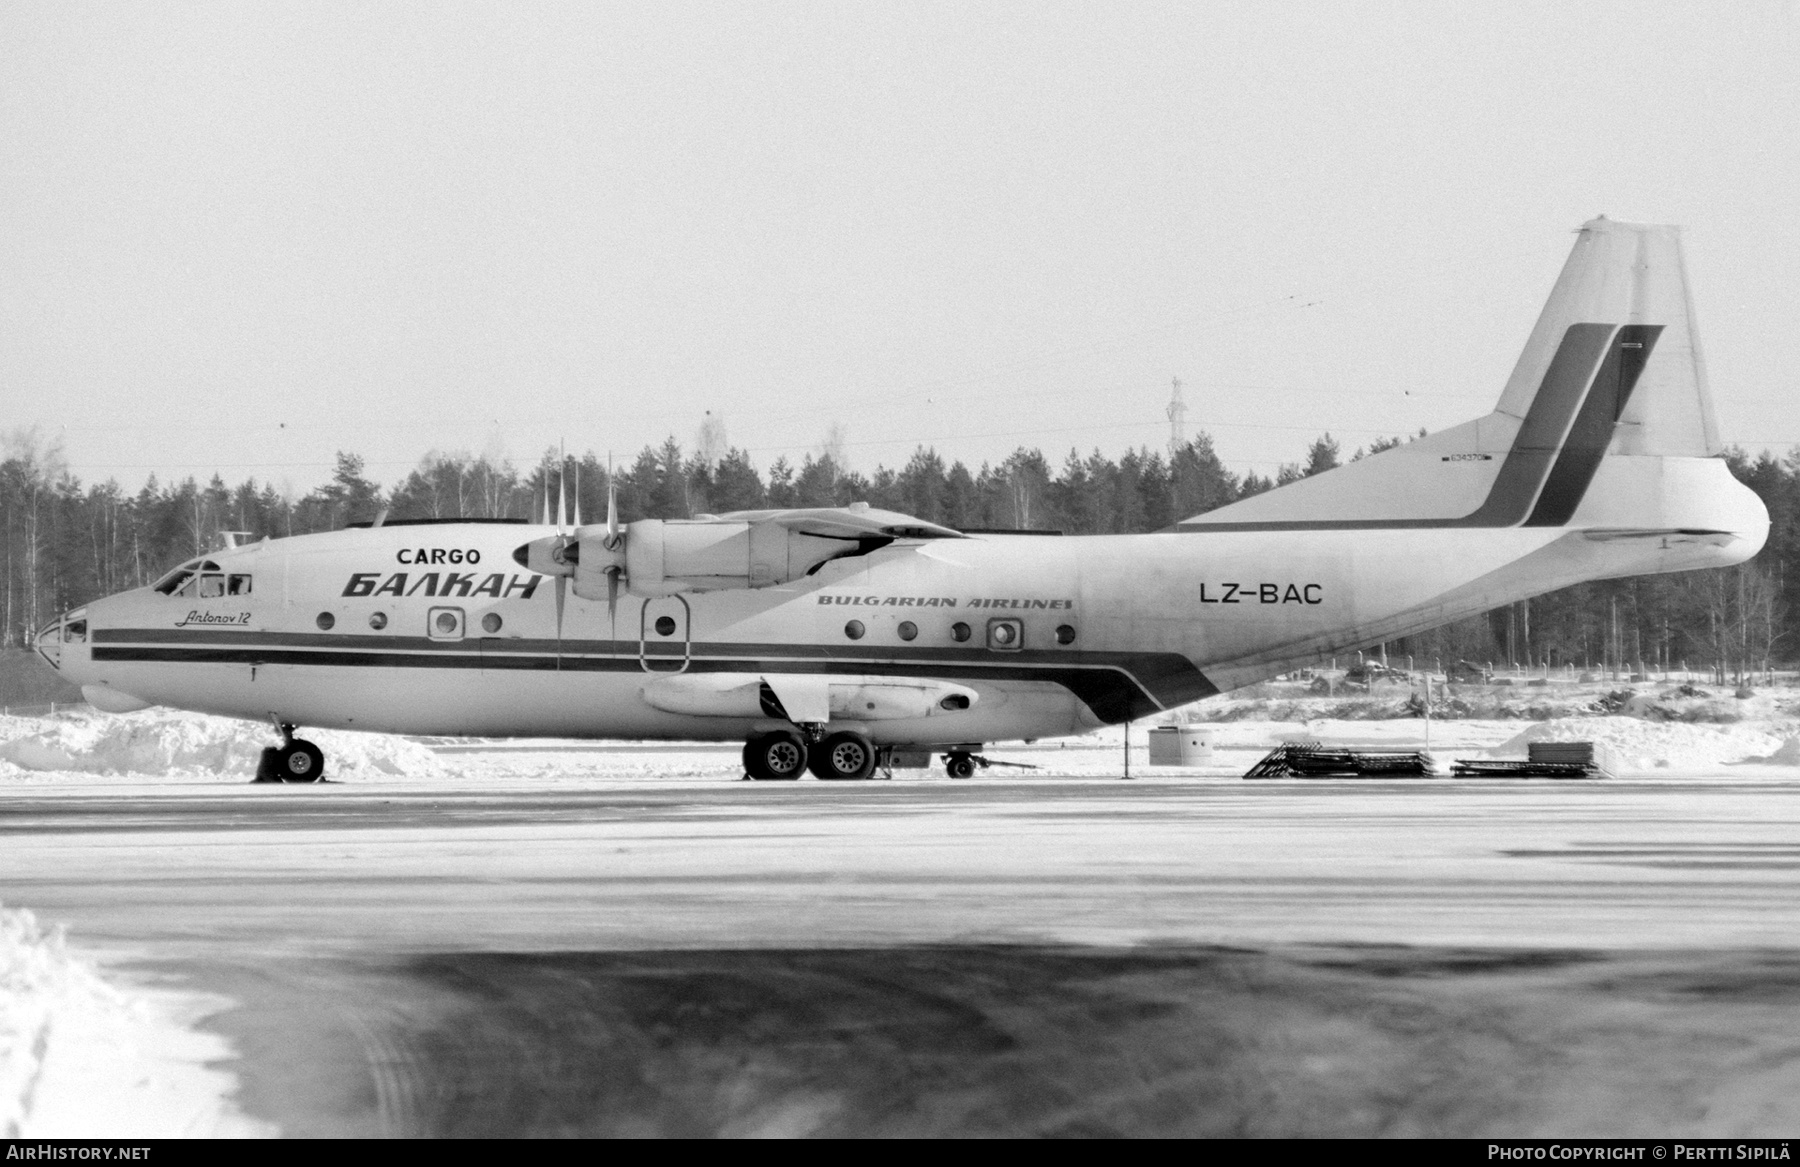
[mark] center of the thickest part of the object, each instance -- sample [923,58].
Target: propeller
[559,552]
[613,542]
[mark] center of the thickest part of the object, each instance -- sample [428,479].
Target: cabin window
[1005,635]
[444,623]
[907,630]
[960,632]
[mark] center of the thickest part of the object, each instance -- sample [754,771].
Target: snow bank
[79,1059]
[1650,746]
[167,742]
[1787,755]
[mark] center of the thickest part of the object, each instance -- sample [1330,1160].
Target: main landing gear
[294,760]
[843,757]
[846,756]
[775,757]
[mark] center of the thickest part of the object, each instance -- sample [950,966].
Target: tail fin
[1627,275]
[1613,366]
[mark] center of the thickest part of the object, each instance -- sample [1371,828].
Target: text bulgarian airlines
[1262,593]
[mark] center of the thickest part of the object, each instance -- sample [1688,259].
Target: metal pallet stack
[1308,759]
[1545,760]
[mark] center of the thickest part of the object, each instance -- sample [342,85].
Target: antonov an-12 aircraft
[825,638]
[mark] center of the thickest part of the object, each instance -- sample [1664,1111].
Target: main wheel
[300,761]
[775,757]
[959,765]
[843,757]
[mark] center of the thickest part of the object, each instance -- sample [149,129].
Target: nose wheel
[294,760]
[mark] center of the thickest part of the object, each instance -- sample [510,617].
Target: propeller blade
[612,592]
[612,514]
[578,494]
[562,502]
[562,587]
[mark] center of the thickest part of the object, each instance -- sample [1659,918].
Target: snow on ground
[1654,729]
[1640,746]
[167,742]
[68,1039]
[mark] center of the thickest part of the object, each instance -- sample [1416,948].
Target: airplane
[829,640]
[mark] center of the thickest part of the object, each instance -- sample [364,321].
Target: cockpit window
[74,632]
[199,577]
[169,584]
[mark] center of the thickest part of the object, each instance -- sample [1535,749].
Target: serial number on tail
[1262,593]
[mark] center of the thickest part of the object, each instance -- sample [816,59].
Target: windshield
[191,578]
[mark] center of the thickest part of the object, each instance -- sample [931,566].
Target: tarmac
[1009,955]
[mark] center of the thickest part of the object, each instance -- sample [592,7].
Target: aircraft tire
[775,757]
[959,765]
[300,761]
[843,757]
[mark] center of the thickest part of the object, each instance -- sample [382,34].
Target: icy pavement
[451,923]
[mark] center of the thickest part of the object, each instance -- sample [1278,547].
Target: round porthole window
[665,625]
[446,622]
[1004,633]
[1065,634]
[854,630]
[907,630]
[490,623]
[325,621]
[378,620]
[960,631]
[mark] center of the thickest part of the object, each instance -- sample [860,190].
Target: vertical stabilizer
[1610,375]
[1629,274]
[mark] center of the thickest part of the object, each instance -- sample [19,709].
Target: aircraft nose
[63,638]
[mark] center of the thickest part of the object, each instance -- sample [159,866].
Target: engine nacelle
[663,557]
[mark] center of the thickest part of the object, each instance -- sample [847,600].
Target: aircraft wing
[856,521]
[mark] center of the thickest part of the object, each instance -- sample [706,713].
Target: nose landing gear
[294,760]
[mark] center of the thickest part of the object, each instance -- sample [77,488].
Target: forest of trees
[66,542]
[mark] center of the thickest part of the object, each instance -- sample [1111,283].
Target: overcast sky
[240,237]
